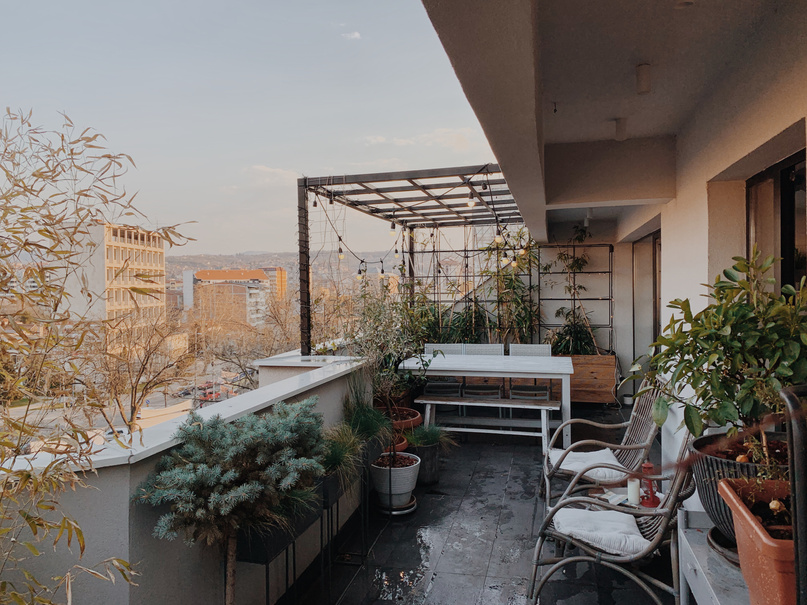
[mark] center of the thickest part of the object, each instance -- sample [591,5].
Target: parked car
[186,392]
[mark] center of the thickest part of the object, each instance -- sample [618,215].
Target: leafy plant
[575,337]
[433,434]
[56,187]
[367,422]
[254,472]
[342,456]
[737,353]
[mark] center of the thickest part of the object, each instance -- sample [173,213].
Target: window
[777,217]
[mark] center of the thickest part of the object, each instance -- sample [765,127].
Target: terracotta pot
[767,564]
[409,419]
[400,445]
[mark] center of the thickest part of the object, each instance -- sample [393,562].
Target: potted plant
[370,425]
[594,378]
[726,365]
[426,442]
[763,525]
[394,476]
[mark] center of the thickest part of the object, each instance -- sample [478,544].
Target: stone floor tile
[518,518]
[454,589]
[504,591]
[466,552]
[511,558]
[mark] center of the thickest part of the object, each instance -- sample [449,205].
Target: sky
[223,106]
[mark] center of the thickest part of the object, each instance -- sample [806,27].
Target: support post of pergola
[305,268]
[410,253]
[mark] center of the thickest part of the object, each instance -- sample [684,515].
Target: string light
[314,204]
[397,255]
[331,200]
[522,252]
[514,264]
[392,228]
[498,239]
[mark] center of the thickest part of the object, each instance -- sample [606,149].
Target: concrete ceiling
[519,60]
[589,53]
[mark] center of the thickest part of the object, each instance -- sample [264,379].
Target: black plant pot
[331,490]
[429,463]
[708,470]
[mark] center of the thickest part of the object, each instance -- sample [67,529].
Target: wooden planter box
[594,379]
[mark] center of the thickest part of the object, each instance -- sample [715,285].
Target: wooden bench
[486,424]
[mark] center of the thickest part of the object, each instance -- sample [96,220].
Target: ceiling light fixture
[589,216]
[620,129]
[643,82]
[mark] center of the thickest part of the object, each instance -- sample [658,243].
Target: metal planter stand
[796,415]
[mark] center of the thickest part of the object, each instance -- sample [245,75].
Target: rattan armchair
[625,457]
[656,526]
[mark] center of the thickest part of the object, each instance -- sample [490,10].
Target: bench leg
[427,415]
[545,431]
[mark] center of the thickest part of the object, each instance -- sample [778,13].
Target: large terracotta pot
[767,564]
[401,444]
[408,419]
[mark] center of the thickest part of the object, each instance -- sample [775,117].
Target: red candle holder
[649,498]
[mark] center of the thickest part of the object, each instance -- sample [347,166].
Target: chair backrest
[488,349]
[641,428]
[452,348]
[536,350]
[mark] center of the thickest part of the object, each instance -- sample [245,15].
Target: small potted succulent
[726,365]
[427,442]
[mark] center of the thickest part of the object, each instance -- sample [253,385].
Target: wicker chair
[654,527]
[626,456]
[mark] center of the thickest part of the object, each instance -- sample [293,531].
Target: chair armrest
[582,472]
[600,504]
[594,442]
[572,421]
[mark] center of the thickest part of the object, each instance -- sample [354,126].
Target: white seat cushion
[577,461]
[607,530]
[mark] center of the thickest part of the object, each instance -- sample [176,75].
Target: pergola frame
[412,199]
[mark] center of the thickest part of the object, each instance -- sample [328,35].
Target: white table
[503,366]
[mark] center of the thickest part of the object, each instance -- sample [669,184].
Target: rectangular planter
[594,379]
[768,565]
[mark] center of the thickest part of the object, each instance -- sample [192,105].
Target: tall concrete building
[115,259]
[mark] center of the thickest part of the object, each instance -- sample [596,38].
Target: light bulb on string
[314,203]
[505,260]
[514,263]
[522,252]
[397,255]
[331,200]
[498,239]
[392,228]
[341,254]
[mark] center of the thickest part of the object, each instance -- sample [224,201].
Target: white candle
[633,491]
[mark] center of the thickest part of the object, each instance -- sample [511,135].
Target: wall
[760,96]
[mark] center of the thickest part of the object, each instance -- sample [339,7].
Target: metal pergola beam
[412,199]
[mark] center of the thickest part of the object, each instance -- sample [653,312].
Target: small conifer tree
[226,476]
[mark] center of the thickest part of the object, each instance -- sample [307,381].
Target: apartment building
[118,258]
[239,295]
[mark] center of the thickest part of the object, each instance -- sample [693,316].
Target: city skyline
[223,108]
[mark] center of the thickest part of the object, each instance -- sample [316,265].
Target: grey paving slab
[467,551]
[517,518]
[454,589]
[511,558]
[504,591]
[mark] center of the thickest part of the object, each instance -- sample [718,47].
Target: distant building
[278,280]
[117,258]
[236,294]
